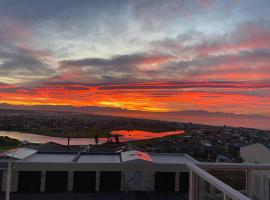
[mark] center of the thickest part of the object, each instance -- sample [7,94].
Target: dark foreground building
[99,172]
[125,175]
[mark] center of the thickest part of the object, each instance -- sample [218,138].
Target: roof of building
[54,158]
[82,157]
[20,153]
[171,158]
[250,153]
[99,158]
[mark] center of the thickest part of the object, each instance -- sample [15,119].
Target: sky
[146,55]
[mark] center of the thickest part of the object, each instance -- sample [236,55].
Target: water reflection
[124,137]
[138,135]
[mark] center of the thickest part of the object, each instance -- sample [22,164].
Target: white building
[91,172]
[255,153]
[126,172]
[258,153]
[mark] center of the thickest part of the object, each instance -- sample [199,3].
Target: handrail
[226,189]
[255,166]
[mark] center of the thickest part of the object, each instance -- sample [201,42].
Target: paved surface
[96,196]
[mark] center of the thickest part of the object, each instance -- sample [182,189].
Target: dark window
[84,181]
[184,182]
[29,181]
[110,181]
[165,181]
[56,181]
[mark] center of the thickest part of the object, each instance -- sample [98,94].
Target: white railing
[252,166]
[257,176]
[197,190]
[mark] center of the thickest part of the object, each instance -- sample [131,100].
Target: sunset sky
[148,55]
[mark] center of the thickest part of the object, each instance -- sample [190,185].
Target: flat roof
[101,158]
[123,157]
[54,158]
[174,158]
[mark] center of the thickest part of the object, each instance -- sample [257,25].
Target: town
[209,143]
[203,142]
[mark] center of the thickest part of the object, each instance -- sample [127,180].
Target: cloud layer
[142,55]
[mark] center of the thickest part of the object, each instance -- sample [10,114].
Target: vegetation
[83,133]
[7,143]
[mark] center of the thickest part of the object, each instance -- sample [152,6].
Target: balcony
[254,181]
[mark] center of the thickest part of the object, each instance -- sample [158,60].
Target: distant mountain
[195,116]
[217,114]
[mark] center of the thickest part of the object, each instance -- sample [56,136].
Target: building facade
[88,172]
[129,171]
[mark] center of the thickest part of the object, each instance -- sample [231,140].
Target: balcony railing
[204,186]
[257,177]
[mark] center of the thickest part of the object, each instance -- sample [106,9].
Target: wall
[127,169]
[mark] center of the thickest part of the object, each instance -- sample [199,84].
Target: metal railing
[204,186]
[257,177]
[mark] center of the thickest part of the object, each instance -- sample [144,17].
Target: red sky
[137,55]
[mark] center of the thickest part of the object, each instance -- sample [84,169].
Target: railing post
[192,185]
[212,190]
[249,182]
[201,188]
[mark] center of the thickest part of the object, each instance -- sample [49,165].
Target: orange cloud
[154,97]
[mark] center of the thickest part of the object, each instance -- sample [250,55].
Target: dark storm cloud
[19,64]
[20,61]
[117,61]
[74,18]
[243,62]
[190,85]
[122,67]
[100,69]
[125,68]
[247,35]
[68,16]
[36,11]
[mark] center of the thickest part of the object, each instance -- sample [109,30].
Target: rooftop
[28,155]
[21,153]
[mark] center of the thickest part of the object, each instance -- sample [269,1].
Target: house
[255,153]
